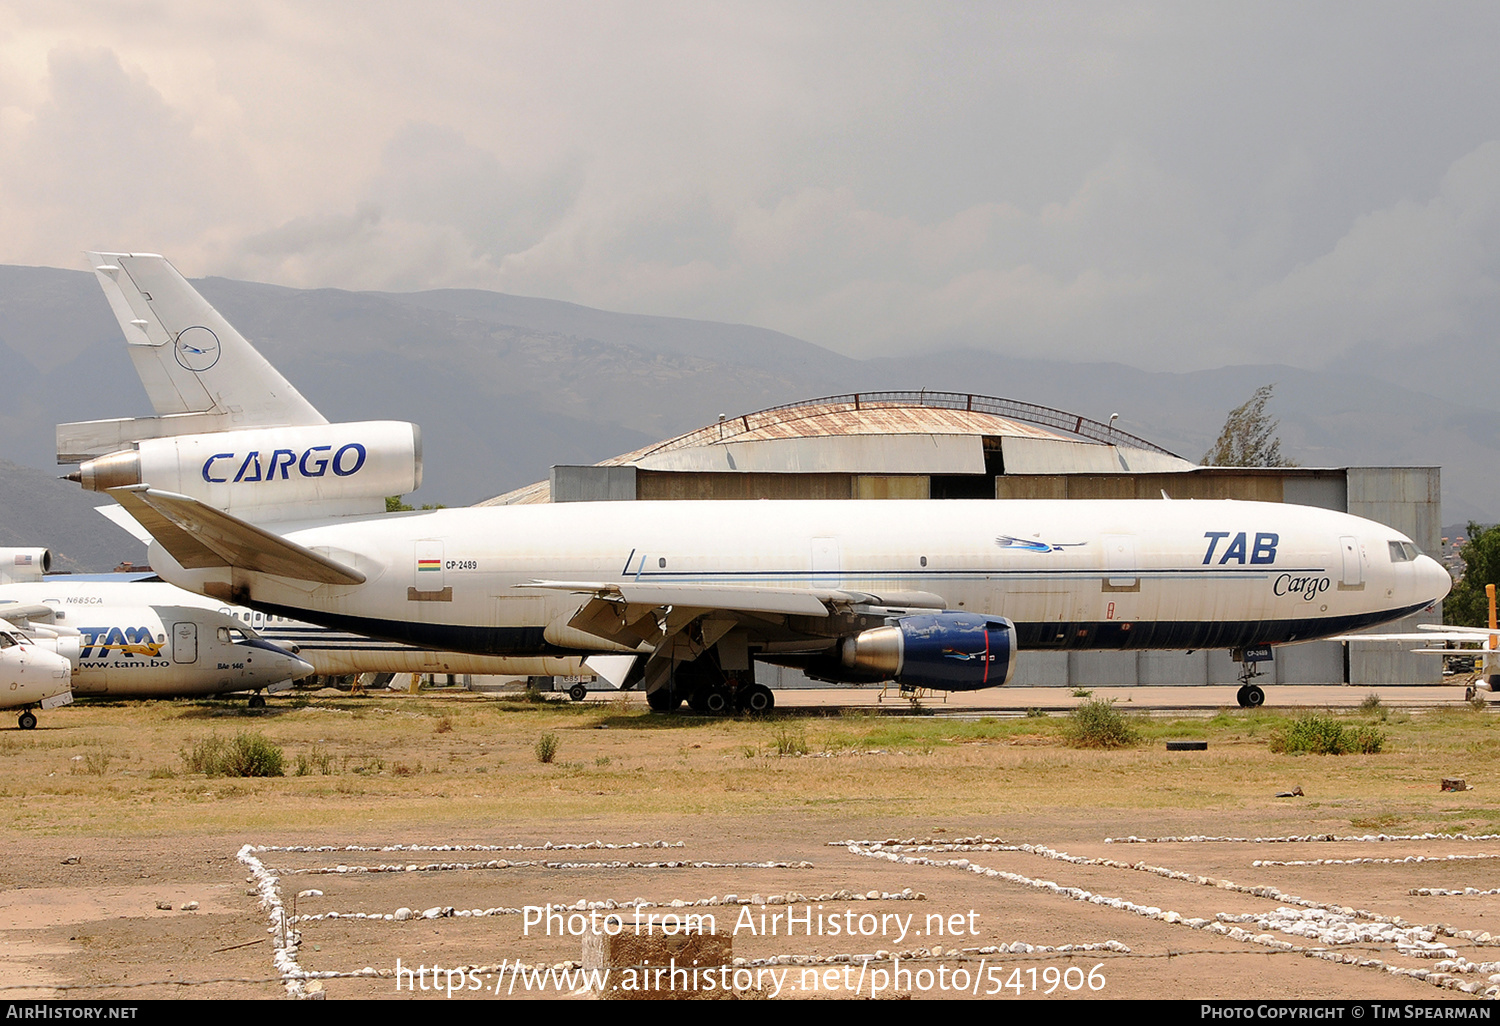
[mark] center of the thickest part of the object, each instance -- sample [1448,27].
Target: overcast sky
[1165,185]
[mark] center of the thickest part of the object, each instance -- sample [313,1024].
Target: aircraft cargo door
[827,564]
[184,643]
[1121,570]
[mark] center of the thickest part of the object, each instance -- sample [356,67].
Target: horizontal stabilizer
[201,537]
[86,440]
[122,519]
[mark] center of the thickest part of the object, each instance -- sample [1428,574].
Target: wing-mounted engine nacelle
[312,470]
[19,565]
[949,651]
[63,641]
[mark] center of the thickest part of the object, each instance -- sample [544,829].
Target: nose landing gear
[1250,696]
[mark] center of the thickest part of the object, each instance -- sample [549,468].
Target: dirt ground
[109,842]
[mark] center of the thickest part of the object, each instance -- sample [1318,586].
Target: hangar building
[944,445]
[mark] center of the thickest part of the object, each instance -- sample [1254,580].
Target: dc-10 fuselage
[797,581]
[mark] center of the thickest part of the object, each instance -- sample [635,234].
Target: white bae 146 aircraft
[253,498]
[35,671]
[137,640]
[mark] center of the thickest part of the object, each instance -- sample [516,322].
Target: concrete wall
[1408,499]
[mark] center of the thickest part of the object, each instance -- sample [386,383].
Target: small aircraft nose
[1434,578]
[298,668]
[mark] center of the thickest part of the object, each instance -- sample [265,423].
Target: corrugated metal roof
[826,420]
[897,413]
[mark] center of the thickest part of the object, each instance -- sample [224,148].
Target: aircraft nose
[1434,578]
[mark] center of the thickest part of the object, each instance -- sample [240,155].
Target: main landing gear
[27,720]
[710,691]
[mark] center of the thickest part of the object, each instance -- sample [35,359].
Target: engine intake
[18,565]
[949,651]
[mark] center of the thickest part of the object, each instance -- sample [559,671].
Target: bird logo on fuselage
[1005,541]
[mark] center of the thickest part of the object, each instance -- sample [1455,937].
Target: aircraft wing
[20,614]
[696,596]
[199,537]
[1433,632]
[636,614]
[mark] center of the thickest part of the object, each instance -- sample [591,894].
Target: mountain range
[505,386]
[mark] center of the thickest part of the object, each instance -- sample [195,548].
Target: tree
[1249,437]
[1467,605]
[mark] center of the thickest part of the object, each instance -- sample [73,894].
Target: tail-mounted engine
[273,473]
[20,565]
[949,651]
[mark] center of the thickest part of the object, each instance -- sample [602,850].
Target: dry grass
[379,761]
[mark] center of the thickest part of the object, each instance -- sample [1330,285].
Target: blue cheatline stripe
[1102,635]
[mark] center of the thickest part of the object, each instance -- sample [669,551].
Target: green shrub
[546,747]
[1097,724]
[1320,734]
[317,759]
[246,755]
[790,741]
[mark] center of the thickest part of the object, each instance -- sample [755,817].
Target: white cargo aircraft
[137,640]
[253,498]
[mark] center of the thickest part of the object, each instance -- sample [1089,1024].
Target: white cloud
[1160,184]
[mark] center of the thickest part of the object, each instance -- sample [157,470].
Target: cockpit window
[1403,552]
[6,641]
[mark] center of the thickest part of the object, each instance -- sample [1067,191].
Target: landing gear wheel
[716,701]
[756,699]
[1239,697]
[1469,693]
[1254,697]
[257,701]
[663,699]
[27,721]
[578,692]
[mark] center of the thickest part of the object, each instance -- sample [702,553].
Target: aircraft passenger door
[1354,571]
[184,643]
[827,566]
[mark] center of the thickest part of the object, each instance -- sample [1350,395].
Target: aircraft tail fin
[200,373]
